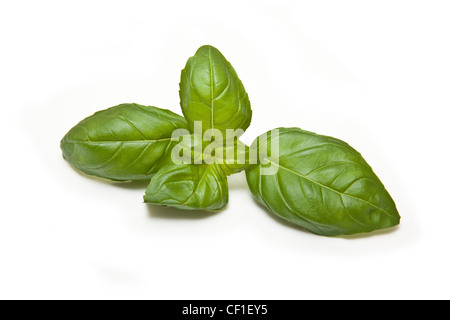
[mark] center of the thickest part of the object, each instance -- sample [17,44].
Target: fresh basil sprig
[317,182]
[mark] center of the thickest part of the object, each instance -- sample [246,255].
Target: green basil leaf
[232,156]
[211,92]
[189,187]
[322,184]
[125,142]
[235,158]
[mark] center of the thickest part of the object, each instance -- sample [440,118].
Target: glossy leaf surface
[189,187]
[323,185]
[211,92]
[125,142]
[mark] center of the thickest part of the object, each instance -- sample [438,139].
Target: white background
[373,73]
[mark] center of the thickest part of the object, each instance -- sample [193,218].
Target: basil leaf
[235,157]
[211,92]
[189,187]
[125,142]
[232,156]
[323,185]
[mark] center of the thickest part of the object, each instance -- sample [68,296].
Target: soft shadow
[369,234]
[154,211]
[164,212]
[345,237]
[131,185]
